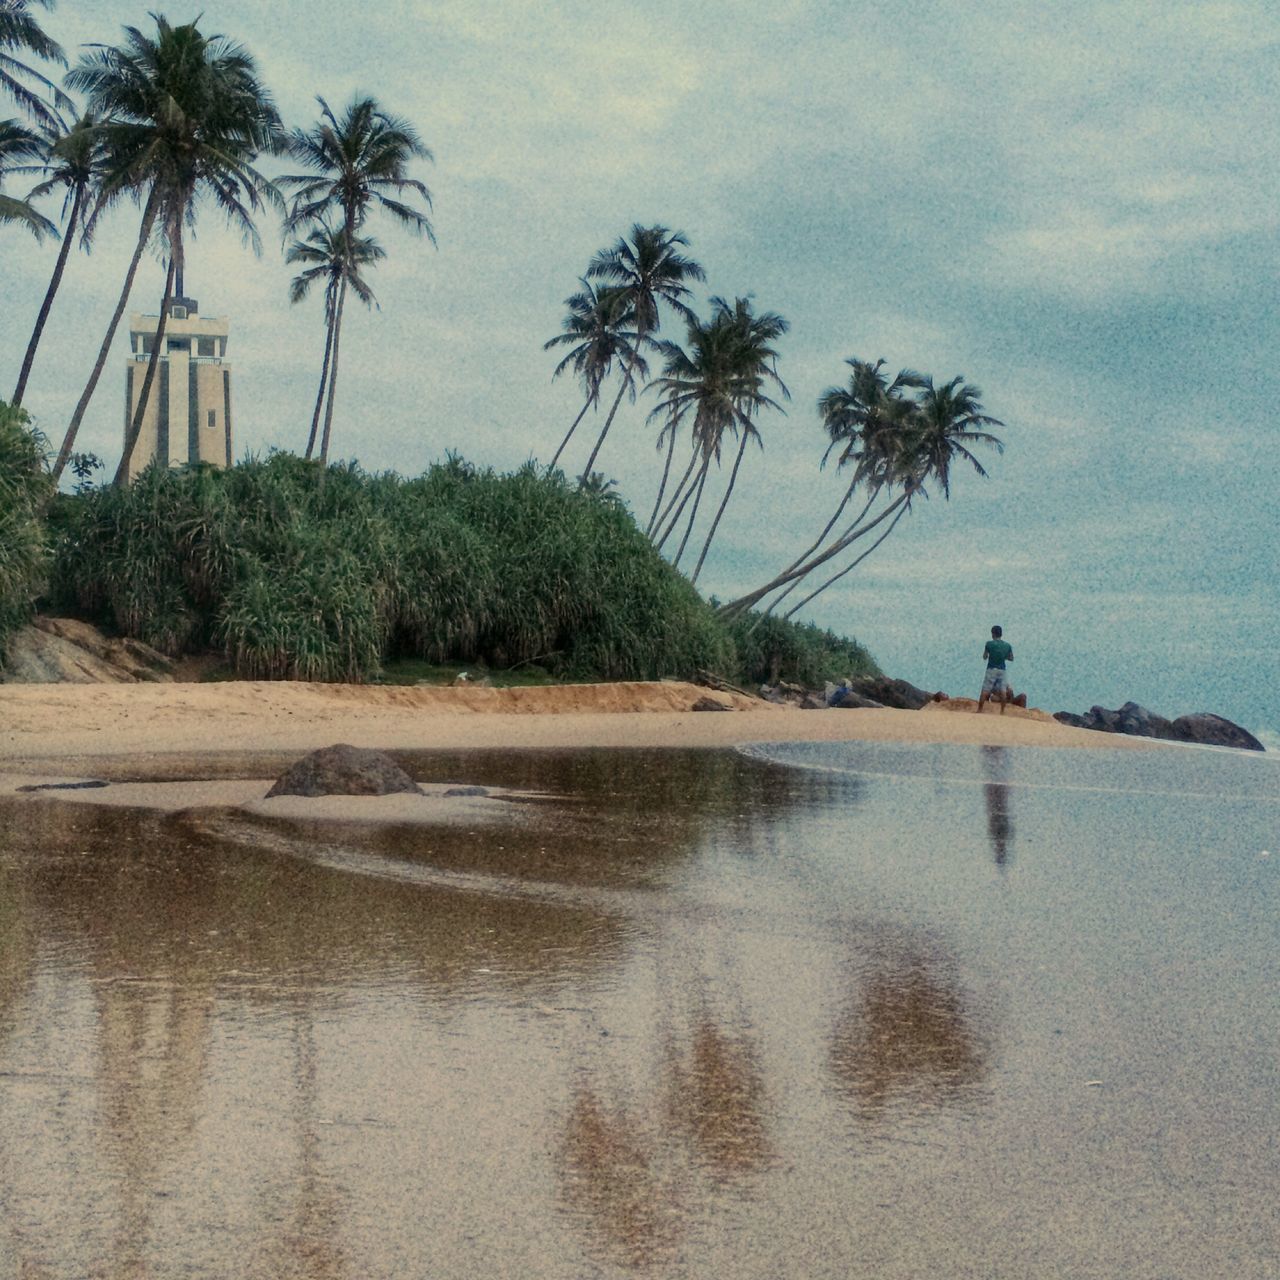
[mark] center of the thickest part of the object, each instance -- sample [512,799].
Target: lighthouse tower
[188,414]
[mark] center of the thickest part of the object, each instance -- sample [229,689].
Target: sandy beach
[65,729]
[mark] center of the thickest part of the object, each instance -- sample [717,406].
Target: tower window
[213,418]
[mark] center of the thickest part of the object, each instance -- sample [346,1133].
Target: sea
[799,1010]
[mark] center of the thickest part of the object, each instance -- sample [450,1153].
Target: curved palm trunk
[777,600]
[831,524]
[55,280]
[662,488]
[743,603]
[135,427]
[608,422]
[324,382]
[551,466]
[724,502]
[847,569]
[333,378]
[693,510]
[69,439]
[679,500]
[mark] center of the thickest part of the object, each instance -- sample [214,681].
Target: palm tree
[871,422]
[356,164]
[72,161]
[338,260]
[720,380]
[650,271]
[184,117]
[18,144]
[19,30]
[597,323]
[754,365]
[951,420]
[944,423]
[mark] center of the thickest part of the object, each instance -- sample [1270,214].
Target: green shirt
[995,652]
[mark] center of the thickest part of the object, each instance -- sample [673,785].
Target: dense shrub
[770,649]
[24,491]
[301,574]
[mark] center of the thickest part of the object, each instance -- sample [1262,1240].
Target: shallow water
[832,1010]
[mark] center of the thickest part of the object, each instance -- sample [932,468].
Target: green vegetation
[526,574]
[24,489]
[297,579]
[770,649]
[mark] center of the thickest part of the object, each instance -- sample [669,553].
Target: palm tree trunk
[777,600]
[743,603]
[69,439]
[324,381]
[693,511]
[608,422]
[847,569]
[831,524]
[724,502]
[551,466]
[680,496]
[662,488]
[58,267]
[333,378]
[135,427]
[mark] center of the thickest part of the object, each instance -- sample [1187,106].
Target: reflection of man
[995,763]
[997,652]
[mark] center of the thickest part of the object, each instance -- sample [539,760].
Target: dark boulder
[343,770]
[466,791]
[1132,719]
[1214,731]
[709,704]
[889,692]
[1202,727]
[855,701]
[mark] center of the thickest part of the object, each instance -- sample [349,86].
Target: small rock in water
[467,791]
[344,770]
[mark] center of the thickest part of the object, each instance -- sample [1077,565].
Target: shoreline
[57,729]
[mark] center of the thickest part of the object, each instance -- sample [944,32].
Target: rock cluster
[1202,727]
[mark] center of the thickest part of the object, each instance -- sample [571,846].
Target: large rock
[343,770]
[65,650]
[1214,731]
[1130,718]
[889,692]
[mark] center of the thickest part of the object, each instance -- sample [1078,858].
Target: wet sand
[826,1010]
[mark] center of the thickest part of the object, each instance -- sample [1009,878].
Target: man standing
[997,652]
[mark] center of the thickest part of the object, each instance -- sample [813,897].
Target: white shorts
[995,681]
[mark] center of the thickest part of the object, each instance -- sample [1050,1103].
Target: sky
[1074,207]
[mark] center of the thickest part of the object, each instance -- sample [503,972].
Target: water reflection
[995,764]
[636,1160]
[906,1039]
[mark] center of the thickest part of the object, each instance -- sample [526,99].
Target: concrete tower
[188,415]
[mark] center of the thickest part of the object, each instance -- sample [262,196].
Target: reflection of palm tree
[609,1174]
[717,1096]
[907,1037]
[995,762]
[309,1242]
